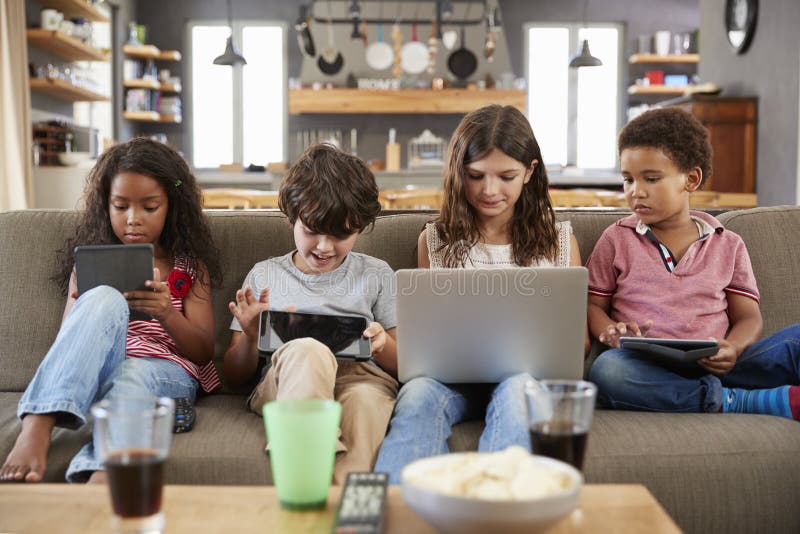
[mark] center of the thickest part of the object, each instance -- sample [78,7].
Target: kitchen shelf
[78,9]
[657,89]
[142,83]
[151,52]
[400,100]
[170,88]
[65,46]
[150,116]
[63,90]
[673,58]
[149,83]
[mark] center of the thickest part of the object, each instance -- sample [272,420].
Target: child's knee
[609,368]
[422,391]
[105,301]
[306,349]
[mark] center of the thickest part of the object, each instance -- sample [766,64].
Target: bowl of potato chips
[507,491]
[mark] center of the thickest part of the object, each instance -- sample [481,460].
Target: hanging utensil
[379,54]
[303,30]
[397,37]
[489,46]
[462,63]
[330,61]
[432,46]
[414,54]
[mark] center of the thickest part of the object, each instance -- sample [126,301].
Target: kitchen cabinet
[731,124]
[332,101]
[151,88]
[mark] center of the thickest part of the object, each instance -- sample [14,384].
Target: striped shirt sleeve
[602,274]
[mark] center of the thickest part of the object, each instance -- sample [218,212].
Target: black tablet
[123,267]
[341,333]
[681,352]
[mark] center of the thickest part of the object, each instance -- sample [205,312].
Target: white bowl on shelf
[451,513]
[72,159]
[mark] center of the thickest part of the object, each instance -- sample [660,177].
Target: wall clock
[740,23]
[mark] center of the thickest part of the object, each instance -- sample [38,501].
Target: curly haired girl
[141,191]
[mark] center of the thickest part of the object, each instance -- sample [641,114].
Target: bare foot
[98,477]
[27,460]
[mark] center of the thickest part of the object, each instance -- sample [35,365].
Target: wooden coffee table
[87,508]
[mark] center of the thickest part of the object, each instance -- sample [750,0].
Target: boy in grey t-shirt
[329,198]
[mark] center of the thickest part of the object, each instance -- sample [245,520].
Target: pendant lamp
[585,58]
[231,56]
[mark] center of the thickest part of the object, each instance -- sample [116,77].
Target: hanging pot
[414,55]
[462,63]
[379,54]
[303,30]
[330,61]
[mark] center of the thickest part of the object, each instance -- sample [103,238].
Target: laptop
[484,325]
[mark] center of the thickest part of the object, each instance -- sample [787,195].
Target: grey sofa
[712,473]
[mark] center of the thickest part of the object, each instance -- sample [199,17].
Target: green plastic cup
[302,447]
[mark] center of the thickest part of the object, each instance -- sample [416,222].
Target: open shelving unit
[66,91]
[401,100]
[146,53]
[64,46]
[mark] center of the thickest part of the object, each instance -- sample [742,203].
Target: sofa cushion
[226,445]
[772,238]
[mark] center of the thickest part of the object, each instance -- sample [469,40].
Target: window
[575,113]
[238,114]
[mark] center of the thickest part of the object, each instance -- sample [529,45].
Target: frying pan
[414,55]
[304,39]
[330,61]
[379,54]
[462,62]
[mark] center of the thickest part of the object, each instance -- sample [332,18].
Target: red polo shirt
[691,301]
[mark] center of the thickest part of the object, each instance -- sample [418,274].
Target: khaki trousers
[305,368]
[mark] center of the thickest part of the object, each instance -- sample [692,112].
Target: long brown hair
[533,224]
[186,231]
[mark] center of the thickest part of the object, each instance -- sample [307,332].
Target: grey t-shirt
[361,285]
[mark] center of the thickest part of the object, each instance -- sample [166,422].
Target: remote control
[184,415]
[362,505]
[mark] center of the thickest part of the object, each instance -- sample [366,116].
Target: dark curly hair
[677,133]
[186,231]
[330,191]
[533,224]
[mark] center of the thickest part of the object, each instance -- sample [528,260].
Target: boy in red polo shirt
[669,272]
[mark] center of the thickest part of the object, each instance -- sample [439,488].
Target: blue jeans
[426,410]
[630,382]
[87,363]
